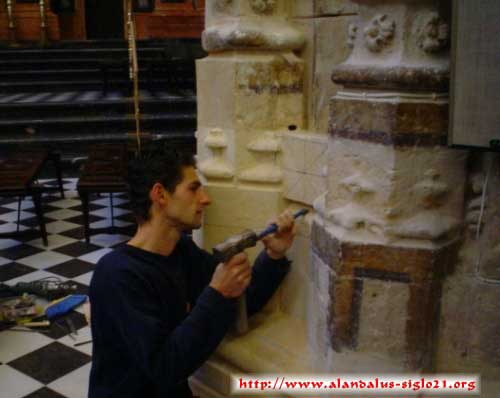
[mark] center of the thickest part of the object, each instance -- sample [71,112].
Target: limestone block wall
[469,337]
[250,95]
[326,27]
[343,105]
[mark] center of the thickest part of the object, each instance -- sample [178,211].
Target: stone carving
[263,6]
[428,224]
[352,32]
[434,35]
[353,216]
[379,33]
[269,142]
[431,192]
[221,5]
[267,146]
[216,139]
[216,166]
[357,184]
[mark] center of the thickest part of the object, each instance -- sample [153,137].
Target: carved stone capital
[401,47]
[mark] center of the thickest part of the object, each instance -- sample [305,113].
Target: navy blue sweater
[155,320]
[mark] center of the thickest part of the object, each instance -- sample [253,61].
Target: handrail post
[11,23]
[134,72]
[43,24]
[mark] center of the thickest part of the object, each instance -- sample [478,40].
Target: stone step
[76,53]
[92,84]
[145,63]
[114,123]
[92,103]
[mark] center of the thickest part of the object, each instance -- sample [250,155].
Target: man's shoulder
[114,257]
[114,262]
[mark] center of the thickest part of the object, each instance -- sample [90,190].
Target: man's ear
[158,194]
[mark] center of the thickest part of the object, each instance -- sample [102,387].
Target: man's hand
[232,278]
[278,243]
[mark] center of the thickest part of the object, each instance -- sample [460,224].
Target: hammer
[235,244]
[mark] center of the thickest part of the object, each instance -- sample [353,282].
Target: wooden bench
[18,178]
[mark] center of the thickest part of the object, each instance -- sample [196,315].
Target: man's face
[186,204]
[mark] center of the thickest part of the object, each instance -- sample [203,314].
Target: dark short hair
[144,171]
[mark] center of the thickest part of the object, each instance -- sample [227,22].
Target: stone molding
[248,34]
[401,77]
[390,119]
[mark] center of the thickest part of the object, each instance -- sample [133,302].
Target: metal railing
[12,23]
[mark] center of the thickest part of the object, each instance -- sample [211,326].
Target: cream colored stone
[382,317]
[315,186]
[215,78]
[308,55]
[280,339]
[264,173]
[294,291]
[216,375]
[331,49]
[216,138]
[293,152]
[251,33]
[294,182]
[267,142]
[397,196]
[242,207]
[315,154]
[316,8]
[357,184]
[216,168]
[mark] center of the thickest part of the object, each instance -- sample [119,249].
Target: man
[160,305]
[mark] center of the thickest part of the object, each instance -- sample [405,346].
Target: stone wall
[343,106]
[469,338]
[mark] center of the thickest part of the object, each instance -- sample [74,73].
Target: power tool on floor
[49,288]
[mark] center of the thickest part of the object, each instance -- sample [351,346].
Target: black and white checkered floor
[47,364]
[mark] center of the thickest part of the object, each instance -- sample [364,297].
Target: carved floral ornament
[379,32]
[352,32]
[221,5]
[434,35]
[263,6]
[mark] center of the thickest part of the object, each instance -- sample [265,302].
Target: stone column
[250,93]
[387,228]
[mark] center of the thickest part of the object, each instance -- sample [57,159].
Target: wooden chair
[103,172]
[18,178]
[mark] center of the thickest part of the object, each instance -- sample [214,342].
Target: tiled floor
[47,364]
